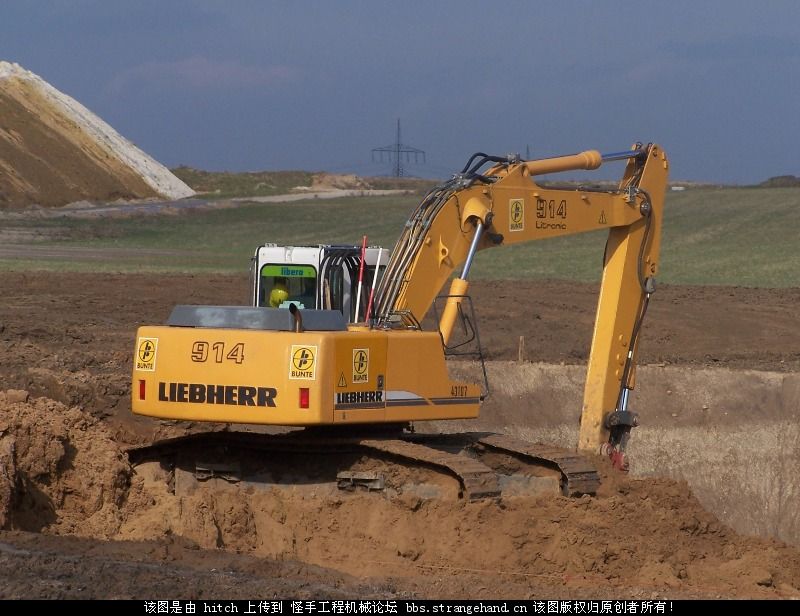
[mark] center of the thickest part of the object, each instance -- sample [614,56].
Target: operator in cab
[279,293]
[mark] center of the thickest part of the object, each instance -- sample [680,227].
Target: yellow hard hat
[278,295]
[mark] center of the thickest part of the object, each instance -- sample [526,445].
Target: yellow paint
[400,363]
[458,289]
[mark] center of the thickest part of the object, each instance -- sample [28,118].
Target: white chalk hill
[49,141]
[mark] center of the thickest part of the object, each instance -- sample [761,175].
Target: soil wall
[732,435]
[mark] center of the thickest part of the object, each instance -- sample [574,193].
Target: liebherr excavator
[311,368]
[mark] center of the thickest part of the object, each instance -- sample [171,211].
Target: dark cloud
[317,85]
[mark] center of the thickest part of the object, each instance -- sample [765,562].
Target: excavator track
[456,454]
[578,475]
[477,480]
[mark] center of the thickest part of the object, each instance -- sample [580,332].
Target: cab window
[282,285]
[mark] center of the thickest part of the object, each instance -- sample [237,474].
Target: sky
[315,85]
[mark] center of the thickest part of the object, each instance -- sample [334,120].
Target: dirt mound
[329,181]
[54,151]
[636,534]
[65,475]
[60,470]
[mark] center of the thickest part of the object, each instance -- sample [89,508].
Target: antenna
[394,154]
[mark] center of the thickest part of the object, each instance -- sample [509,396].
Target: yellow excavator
[310,368]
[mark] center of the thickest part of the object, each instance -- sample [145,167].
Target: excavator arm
[504,205]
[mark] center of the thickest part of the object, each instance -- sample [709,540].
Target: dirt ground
[75,511]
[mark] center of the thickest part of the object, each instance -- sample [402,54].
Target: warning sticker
[516,214]
[360,365]
[342,382]
[303,362]
[603,220]
[146,354]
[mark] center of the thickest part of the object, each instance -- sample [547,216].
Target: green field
[730,236]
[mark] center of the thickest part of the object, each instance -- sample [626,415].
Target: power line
[394,153]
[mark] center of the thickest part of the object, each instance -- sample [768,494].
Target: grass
[723,236]
[728,236]
[222,184]
[746,236]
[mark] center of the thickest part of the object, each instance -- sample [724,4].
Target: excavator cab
[322,277]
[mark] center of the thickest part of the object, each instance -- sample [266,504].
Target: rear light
[141,389]
[304,397]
